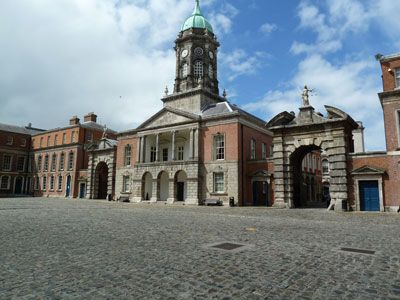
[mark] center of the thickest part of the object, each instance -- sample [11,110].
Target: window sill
[218,194]
[126,193]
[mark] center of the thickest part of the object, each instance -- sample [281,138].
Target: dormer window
[198,69]
[185,70]
[397,77]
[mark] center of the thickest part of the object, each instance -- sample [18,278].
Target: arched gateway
[296,136]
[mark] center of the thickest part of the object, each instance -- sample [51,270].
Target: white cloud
[66,57]
[268,28]
[239,62]
[222,20]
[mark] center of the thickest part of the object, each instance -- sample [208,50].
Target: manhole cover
[362,251]
[227,246]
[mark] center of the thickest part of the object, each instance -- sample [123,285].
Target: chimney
[90,117]
[74,120]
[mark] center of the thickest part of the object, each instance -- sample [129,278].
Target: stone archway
[147,186]
[296,135]
[180,186]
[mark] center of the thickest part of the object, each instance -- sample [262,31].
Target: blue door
[369,196]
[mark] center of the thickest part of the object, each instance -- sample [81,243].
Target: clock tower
[196,77]
[196,54]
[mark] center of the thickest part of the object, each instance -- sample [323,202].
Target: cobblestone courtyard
[62,249]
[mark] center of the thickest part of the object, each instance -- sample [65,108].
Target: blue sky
[115,57]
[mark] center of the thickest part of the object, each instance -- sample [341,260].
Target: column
[191,144]
[143,149]
[139,142]
[173,145]
[157,147]
[196,143]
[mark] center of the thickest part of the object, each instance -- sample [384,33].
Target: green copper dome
[197,20]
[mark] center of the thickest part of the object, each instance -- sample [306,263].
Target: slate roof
[20,129]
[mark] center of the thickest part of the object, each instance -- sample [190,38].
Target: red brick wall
[206,140]
[391,180]
[388,78]
[122,143]
[390,119]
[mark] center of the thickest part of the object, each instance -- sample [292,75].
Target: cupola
[197,20]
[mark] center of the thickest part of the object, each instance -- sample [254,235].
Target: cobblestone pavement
[66,249]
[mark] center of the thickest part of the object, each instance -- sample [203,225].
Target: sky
[115,57]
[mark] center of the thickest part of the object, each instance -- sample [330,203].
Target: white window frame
[60,183]
[48,141]
[181,152]
[71,158]
[397,77]
[23,165]
[64,138]
[219,146]
[52,181]
[46,163]
[39,163]
[253,145]
[44,183]
[126,184]
[198,69]
[10,140]
[56,140]
[128,155]
[4,167]
[8,182]
[165,157]
[53,164]
[61,162]
[153,153]
[219,187]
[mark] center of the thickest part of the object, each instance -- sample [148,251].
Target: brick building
[199,146]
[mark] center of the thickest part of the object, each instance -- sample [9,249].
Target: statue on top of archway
[306,96]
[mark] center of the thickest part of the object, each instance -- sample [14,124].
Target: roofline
[389,57]
[80,125]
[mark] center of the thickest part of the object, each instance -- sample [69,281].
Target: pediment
[368,170]
[284,118]
[103,144]
[168,116]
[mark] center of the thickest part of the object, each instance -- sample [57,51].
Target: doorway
[18,186]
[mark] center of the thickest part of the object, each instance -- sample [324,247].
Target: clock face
[198,51]
[185,53]
[211,54]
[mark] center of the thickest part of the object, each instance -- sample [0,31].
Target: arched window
[185,69]
[61,162]
[210,71]
[325,166]
[128,155]
[198,69]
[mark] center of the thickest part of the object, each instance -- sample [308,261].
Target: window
[73,137]
[185,70]
[325,166]
[198,69]
[153,152]
[23,142]
[48,141]
[41,142]
[219,183]
[125,184]
[61,162]
[64,138]
[46,163]
[5,183]
[128,155]
[39,163]
[10,140]
[60,181]
[89,136]
[253,149]
[219,146]
[7,162]
[180,152]
[53,162]
[210,71]
[165,154]
[21,164]
[55,140]
[397,75]
[264,151]
[70,160]
[52,183]
[36,186]
[44,183]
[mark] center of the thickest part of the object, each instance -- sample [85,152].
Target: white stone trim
[357,179]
